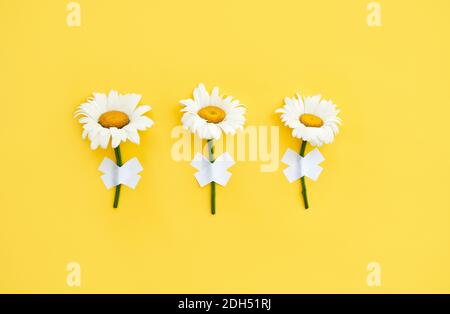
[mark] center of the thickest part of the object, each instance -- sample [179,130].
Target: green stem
[304,192]
[119,163]
[213,184]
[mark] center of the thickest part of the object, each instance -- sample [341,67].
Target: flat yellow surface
[383,196]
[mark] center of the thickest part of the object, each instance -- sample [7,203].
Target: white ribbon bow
[302,166]
[115,175]
[212,172]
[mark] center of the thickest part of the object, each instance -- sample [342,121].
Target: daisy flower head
[311,119]
[208,115]
[114,117]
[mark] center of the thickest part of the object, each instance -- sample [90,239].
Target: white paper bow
[212,172]
[302,166]
[115,175]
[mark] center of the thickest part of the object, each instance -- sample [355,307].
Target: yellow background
[383,196]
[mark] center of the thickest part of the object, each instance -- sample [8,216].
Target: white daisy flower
[208,115]
[312,119]
[114,116]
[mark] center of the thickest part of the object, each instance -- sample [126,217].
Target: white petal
[132,133]
[129,102]
[141,110]
[105,135]
[142,123]
[116,137]
[201,96]
[215,99]
[95,141]
[101,100]
[113,101]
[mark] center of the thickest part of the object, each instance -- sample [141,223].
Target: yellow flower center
[311,120]
[112,119]
[212,114]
